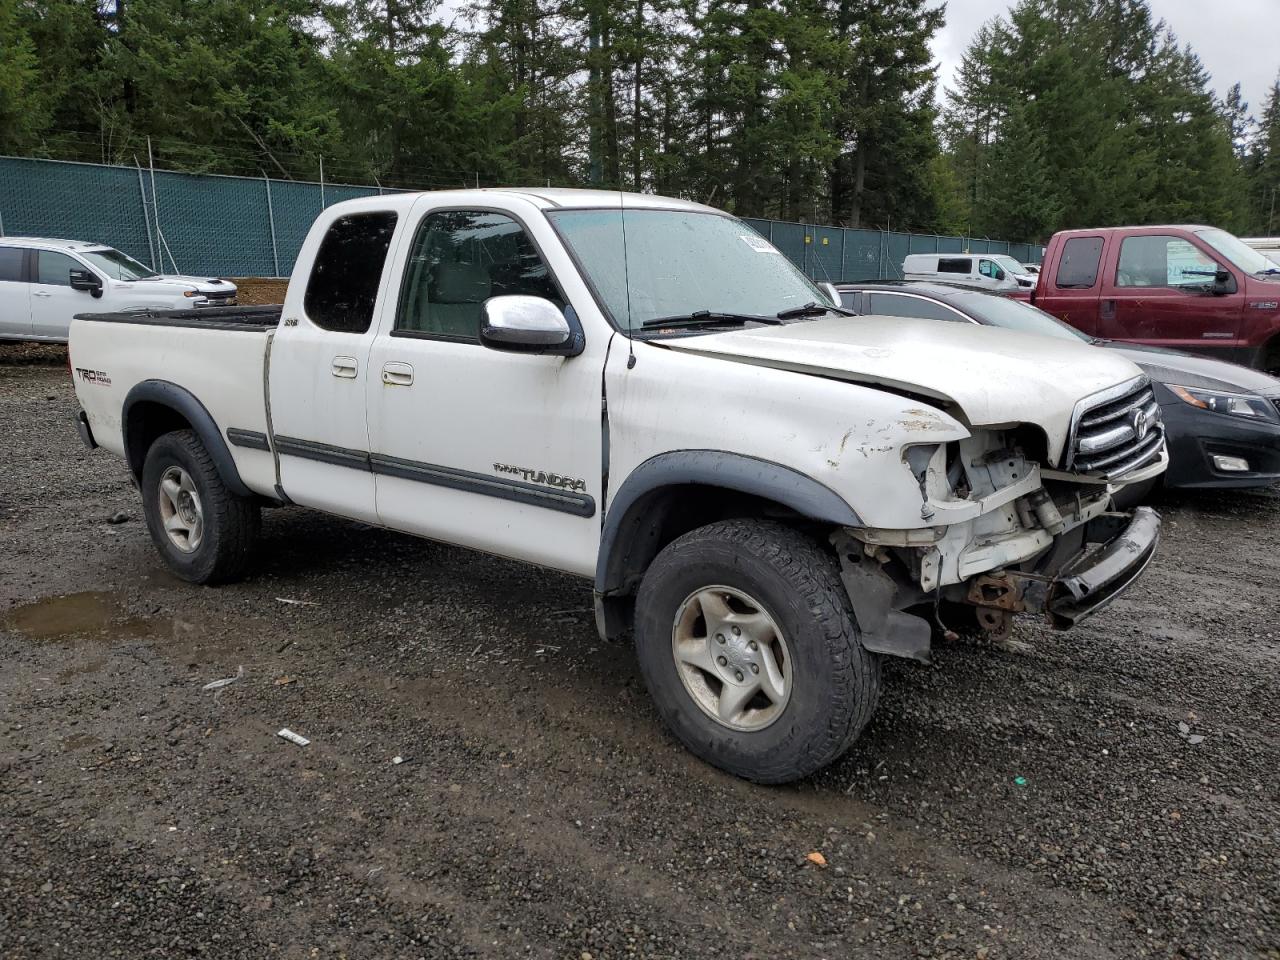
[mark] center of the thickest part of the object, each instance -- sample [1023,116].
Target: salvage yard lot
[1037,803]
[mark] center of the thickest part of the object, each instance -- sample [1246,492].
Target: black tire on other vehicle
[833,682]
[181,485]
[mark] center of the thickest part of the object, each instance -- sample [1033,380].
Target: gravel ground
[1039,804]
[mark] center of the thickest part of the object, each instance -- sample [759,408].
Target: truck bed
[256,318]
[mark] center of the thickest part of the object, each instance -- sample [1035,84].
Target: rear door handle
[41,293]
[397,374]
[345,367]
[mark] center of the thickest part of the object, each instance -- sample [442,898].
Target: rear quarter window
[343,287]
[955,265]
[1078,268]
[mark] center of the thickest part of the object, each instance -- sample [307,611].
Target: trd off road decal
[93,376]
[541,477]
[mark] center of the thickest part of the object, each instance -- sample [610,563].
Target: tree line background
[1064,113]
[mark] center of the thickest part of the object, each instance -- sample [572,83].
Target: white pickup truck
[44,283]
[768,494]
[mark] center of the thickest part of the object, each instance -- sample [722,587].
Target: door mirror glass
[1223,283]
[85,280]
[525,324]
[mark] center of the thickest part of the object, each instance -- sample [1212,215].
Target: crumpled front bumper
[1115,550]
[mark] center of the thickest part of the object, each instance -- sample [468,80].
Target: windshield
[1014,315]
[1237,251]
[680,262]
[1010,264]
[117,265]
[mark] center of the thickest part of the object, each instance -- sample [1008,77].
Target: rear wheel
[205,533]
[747,643]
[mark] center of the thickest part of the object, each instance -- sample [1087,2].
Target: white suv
[44,283]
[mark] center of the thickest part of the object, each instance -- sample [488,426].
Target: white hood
[203,284]
[994,377]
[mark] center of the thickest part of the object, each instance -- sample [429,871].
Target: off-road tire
[835,680]
[231,523]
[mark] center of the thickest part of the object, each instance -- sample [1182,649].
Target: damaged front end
[1008,534]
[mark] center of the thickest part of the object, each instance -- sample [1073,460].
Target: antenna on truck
[626,276]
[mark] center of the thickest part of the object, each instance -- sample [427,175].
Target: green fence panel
[77,201]
[247,226]
[825,255]
[863,250]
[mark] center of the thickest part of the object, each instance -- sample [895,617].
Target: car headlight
[1234,404]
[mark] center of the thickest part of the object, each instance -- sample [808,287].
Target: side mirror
[1223,283]
[830,290]
[999,273]
[86,280]
[523,324]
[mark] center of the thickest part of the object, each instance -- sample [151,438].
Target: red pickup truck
[1190,288]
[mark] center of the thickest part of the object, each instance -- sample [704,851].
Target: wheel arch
[156,407]
[673,493]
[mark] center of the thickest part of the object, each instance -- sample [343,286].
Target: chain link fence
[253,227]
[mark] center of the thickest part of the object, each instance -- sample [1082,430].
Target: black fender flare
[623,519]
[184,402]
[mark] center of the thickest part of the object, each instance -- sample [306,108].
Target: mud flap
[883,629]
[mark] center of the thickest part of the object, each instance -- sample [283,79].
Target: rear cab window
[343,287]
[1078,264]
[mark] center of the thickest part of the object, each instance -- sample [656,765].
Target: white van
[992,271]
[44,283]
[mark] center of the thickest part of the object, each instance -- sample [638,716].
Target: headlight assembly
[1233,404]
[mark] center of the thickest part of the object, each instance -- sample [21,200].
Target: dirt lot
[1041,804]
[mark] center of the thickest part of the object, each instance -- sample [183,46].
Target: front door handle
[345,367]
[396,374]
[1108,309]
[41,293]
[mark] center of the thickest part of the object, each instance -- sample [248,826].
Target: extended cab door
[1069,289]
[493,450]
[15,293]
[1158,290]
[319,363]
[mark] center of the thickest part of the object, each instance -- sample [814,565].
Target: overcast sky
[1234,38]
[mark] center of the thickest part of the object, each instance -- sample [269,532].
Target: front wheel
[747,643]
[205,533]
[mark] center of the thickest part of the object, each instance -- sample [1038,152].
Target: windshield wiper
[813,309]
[705,318]
[1269,272]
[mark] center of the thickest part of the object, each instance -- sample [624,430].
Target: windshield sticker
[758,244]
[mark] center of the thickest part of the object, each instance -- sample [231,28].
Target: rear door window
[11,259]
[343,287]
[899,305]
[1078,268]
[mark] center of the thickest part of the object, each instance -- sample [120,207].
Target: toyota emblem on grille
[1141,424]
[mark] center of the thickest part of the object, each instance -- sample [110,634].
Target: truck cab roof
[51,243]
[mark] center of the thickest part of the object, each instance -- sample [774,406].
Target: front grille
[219,298]
[1118,433]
